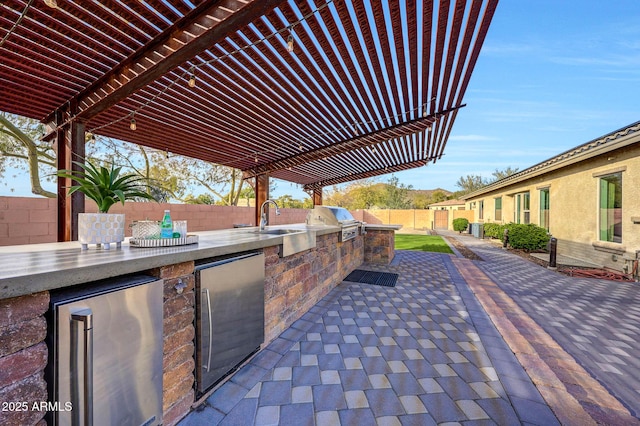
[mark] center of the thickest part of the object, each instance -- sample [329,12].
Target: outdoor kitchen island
[292,285]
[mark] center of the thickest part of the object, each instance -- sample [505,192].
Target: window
[498,212]
[481,209]
[611,208]
[522,213]
[544,208]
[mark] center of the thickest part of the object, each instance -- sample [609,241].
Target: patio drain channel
[385,279]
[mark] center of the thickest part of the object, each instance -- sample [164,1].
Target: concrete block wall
[25,220]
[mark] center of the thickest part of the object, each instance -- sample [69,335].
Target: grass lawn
[433,243]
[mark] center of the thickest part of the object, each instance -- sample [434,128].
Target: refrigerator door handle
[85,316]
[206,291]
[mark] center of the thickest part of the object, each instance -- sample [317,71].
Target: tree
[470,183]
[438,196]
[21,147]
[200,199]
[360,194]
[165,182]
[501,174]
[420,201]
[395,194]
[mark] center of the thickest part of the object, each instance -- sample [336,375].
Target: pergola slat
[313,116]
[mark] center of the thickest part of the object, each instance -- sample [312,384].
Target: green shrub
[460,224]
[493,230]
[527,237]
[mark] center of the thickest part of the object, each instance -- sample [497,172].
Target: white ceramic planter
[101,229]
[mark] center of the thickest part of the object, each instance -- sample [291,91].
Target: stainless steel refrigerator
[105,346]
[229,315]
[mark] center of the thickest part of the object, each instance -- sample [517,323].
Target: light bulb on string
[51,3]
[132,124]
[290,41]
[424,111]
[192,79]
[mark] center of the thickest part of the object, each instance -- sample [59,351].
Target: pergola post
[70,147]
[262,194]
[317,196]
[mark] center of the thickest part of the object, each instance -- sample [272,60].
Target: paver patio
[423,352]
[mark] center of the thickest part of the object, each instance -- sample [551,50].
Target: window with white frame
[522,214]
[610,226]
[544,208]
[498,208]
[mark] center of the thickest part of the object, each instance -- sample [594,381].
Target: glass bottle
[166,227]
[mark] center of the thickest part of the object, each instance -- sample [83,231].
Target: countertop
[382,227]
[32,268]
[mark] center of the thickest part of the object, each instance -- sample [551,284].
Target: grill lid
[330,215]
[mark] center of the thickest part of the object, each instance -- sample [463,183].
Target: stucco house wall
[573,181]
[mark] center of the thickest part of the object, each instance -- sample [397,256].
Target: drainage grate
[371,277]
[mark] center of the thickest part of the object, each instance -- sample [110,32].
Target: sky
[552,75]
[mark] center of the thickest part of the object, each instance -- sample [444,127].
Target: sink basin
[293,240]
[279,231]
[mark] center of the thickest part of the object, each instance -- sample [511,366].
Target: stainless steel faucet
[263,213]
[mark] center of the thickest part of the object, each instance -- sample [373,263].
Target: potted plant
[106,187]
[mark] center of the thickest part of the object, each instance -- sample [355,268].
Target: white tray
[163,242]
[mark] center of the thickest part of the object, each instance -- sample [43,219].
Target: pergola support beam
[262,194]
[70,147]
[409,127]
[317,196]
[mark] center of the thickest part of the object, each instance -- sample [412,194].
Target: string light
[192,80]
[22,15]
[51,3]
[285,148]
[216,59]
[290,40]
[132,123]
[425,114]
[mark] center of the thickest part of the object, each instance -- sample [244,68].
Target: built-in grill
[335,216]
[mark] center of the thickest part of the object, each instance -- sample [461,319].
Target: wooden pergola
[314,92]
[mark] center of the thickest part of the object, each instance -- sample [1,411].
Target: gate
[441,219]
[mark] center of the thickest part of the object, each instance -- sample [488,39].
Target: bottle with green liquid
[166,227]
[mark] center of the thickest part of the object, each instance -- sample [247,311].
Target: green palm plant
[106,186]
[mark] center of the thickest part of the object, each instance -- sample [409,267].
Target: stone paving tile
[408,355]
[596,321]
[243,412]
[581,316]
